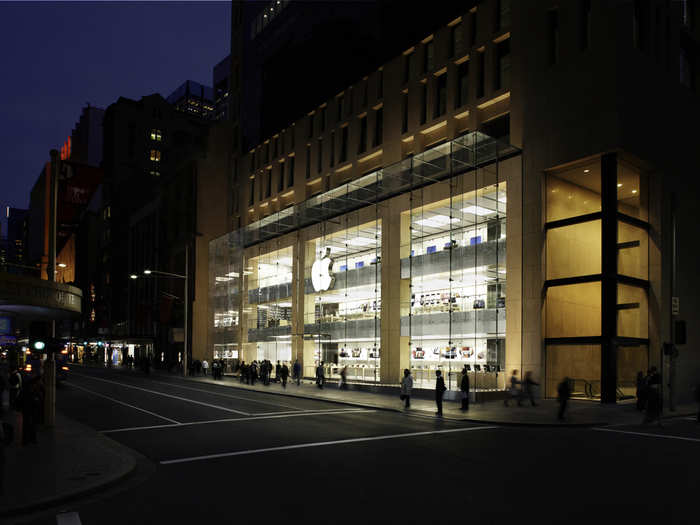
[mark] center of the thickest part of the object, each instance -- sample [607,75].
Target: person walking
[529,388]
[343,383]
[215,367]
[296,370]
[320,375]
[653,395]
[278,371]
[464,388]
[641,385]
[406,387]
[253,372]
[284,374]
[563,395]
[205,367]
[514,391]
[439,392]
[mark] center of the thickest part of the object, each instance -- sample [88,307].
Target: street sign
[675,306]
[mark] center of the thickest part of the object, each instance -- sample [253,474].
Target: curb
[59,499]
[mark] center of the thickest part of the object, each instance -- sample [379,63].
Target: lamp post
[187,299]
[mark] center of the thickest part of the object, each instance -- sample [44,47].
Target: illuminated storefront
[402,268]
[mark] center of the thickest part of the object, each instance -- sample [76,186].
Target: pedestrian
[264,373]
[653,397]
[439,392]
[205,367]
[464,387]
[215,369]
[253,372]
[641,385]
[320,375]
[406,387]
[296,370]
[529,388]
[278,371]
[563,395]
[514,391]
[15,382]
[342,384]
[284,374]
[241,371]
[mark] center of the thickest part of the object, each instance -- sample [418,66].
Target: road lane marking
[236,420]
[175,385]
[320,444]
[647,434]
[68,518]
[122,403]
[226,409]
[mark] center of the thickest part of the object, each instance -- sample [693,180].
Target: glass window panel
[573,192]
[574,250]
[632,251]
[632,191]
[632,312]
[573,310]
[630,361]
[579,363]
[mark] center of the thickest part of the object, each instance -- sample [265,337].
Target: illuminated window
[156,135]
[155,155]
[154,173]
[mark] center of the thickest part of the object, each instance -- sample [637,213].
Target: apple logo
[322,272]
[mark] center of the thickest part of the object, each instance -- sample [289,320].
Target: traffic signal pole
[50,363]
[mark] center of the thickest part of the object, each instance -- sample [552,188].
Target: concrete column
[395,293]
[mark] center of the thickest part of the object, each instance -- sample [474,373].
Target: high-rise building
[492,196]
[193,99]
[221,75]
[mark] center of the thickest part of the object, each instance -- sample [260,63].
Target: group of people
[26,398]
[262,370]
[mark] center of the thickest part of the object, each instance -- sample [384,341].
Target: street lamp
[187,297]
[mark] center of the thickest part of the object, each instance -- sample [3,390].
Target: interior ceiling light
[437,221]
[478,210]
[586,171]
[634,191]
[619,185]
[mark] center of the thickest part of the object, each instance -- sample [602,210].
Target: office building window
[251,198]
[365,88]
[322,119]
[290,172]
[155,155]
[502,14]
[502,79]
[440,106]
[481,65]
[378,126]
[407,66]
[310,127]
[429,57]
[154,173]
[363,134]
[380,84]
[275,148]
[423,102]
[319,164]
[462,84]
[156,135]
[267,153]
[585,28]
[308,161]
[339,105]
[292,138]
[261,187]
[344,144]
[252,161]
[552,36]
[456,38]
[472,27]
[349,102]
[332,147]
[280,177]
[268,183]
[404,112]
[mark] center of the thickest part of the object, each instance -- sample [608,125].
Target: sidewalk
[67,461]
[580,412]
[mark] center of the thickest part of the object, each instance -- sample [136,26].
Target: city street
[213,454]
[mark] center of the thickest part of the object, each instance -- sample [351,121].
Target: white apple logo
[322,272]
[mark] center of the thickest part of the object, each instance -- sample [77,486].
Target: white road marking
[236,420]
[226,409]
[647,434]
[68,518]
[319,444]
[174,385]
[122,403]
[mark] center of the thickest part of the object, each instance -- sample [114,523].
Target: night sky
[58,56]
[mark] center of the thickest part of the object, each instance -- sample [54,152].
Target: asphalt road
[213,454]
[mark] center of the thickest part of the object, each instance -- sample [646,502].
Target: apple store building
[408,266]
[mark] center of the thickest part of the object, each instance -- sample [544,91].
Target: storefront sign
[30,291]
[322,272]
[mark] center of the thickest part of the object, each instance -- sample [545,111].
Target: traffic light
[46,345]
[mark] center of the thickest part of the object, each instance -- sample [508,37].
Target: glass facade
[402,268]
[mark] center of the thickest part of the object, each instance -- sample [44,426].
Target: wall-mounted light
[134,276]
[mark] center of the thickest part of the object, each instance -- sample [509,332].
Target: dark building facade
[193,99]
